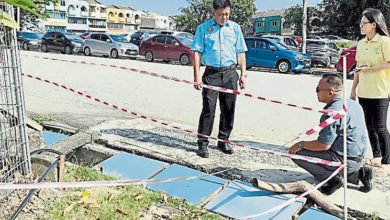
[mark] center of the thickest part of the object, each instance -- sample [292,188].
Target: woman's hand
[353,95]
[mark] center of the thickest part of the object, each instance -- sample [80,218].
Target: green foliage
[28,21]
[41,118]
[293,18]
[345,44]
[342,17]
[128,202]
[200,11]
[23,4]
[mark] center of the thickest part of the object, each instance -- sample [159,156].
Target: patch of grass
[42,118]
[126,202]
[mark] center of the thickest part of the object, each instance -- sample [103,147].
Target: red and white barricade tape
[333,117]
[325,111]
[293,156]
[85,184]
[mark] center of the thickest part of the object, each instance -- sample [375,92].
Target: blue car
[267,53]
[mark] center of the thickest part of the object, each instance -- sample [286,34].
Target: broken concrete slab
[239,200]
[151,140]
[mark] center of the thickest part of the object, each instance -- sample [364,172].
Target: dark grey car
[322,52]
[28,40]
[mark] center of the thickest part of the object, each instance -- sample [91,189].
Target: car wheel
[184,59]
[87,51]
[25,46]
[283,66]
[149,56]
[114,53]
[68,50]
[328,62]
[44,48]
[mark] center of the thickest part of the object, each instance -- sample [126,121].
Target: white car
[285,41]
[334,38]
[109,44]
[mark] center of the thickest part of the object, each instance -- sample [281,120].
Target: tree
[29,22]
[201,10]
[7,20]
[342,17]
[293,18]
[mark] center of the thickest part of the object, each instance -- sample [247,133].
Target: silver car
[109,44]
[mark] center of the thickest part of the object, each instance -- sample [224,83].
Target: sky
[172,7]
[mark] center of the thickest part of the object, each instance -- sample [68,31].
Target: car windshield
[71,36]
[118,38]
[281,45]
[123,35]
[185,41]
[315,44]
[137,34]
[30,35]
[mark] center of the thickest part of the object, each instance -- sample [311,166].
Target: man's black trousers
[227,103]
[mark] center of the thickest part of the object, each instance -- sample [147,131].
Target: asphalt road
[165,99]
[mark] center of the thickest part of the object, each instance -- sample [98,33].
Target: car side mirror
[62,38]
[108,40]
[274,49]
[177,44]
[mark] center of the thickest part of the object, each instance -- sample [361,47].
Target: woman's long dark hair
[374,15]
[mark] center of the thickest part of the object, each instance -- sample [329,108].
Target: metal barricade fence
[14,151]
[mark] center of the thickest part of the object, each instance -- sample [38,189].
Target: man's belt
[220,69]
[356,159]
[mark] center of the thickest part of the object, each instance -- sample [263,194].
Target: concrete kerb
[67,146]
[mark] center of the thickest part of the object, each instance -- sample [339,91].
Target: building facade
[97,16]
[58,17]
[77,12]
[271,22]
[79,16]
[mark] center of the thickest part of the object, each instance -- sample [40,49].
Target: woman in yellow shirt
[373,82]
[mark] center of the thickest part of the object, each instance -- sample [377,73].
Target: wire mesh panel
[14,152]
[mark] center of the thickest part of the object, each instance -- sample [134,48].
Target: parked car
[351,62]
[62,41]
[335,38]
[263,52]
[296,38]
[322,52]
[84,35]
[28,40]
[140,36]
[109,44]
[127,36]
[179,34]
[286,41]
[168,48]
[313,37]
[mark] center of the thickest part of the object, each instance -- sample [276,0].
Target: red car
[167,48]
[351,62]
[297,39]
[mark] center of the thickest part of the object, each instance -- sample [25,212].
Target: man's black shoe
[224,147]
[365,176]
[331,186]
[202,151]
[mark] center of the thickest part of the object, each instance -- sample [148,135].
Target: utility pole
[304,25]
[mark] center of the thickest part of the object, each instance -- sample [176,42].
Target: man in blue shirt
[329,144]
[217,44]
